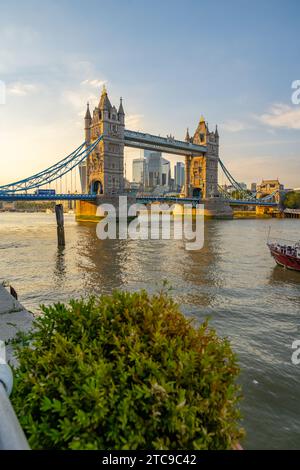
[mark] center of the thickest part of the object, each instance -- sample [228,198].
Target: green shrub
[126,371]
[292,200]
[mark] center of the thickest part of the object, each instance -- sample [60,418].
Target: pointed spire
[88,114]
[187,136]
[121,110]
[104,103]
[202,118]
[216,132]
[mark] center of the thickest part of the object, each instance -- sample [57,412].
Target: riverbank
[14,318]
[255,215]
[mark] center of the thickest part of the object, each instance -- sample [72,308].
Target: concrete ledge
[13,318]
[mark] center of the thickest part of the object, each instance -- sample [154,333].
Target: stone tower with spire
[201,174]
[105,165]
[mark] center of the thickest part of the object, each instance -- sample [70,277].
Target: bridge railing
[51,197]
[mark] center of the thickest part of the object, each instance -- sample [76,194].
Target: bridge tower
[201,172]
[105,165]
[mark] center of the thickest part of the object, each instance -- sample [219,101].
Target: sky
[233,61]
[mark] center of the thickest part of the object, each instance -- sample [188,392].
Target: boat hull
[289,262]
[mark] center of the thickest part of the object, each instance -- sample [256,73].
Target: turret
[200,136]
[104,104]
[187,136]
[87,124]
[216,133]
[121,114]
[88,116]
[207,130]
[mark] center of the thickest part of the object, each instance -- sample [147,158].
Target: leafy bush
[126,371]
[292,200]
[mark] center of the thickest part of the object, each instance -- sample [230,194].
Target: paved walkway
[13,318]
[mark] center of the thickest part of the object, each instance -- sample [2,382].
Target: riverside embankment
[13,318]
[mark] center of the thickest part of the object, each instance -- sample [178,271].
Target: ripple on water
[233,280]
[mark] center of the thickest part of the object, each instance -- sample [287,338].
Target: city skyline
[167,81]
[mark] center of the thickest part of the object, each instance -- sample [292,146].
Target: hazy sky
[171,61]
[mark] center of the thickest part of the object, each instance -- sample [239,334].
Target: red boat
[286,254]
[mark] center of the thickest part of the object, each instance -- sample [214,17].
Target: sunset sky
[171,61]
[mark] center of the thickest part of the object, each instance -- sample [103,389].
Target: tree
[292,200]
[236,194]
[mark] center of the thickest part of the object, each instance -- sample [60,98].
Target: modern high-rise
[83,176]
[154,168]
[140,171]
[159,171]
[165,173]
[179,175]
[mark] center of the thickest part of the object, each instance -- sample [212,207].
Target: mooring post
[59,211]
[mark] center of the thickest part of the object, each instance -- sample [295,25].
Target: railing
[45,197]
[12,436]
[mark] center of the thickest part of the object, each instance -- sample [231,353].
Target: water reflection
[135,264]
[280,275]
[60,267]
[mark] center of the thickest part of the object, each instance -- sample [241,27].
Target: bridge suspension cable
[241,193]
[54,172]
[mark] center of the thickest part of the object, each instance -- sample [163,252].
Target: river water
[233,280]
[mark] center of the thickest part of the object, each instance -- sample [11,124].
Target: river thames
[233,280]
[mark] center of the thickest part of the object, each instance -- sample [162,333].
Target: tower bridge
[100,159]
[102,172]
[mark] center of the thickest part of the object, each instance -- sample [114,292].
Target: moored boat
[286,254]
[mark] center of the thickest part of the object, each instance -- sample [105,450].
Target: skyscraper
[159,172]
[179,175]
[165,172]
[154,168]
[140,171]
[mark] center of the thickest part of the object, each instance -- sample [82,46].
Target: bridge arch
[197,193]
[96,187]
